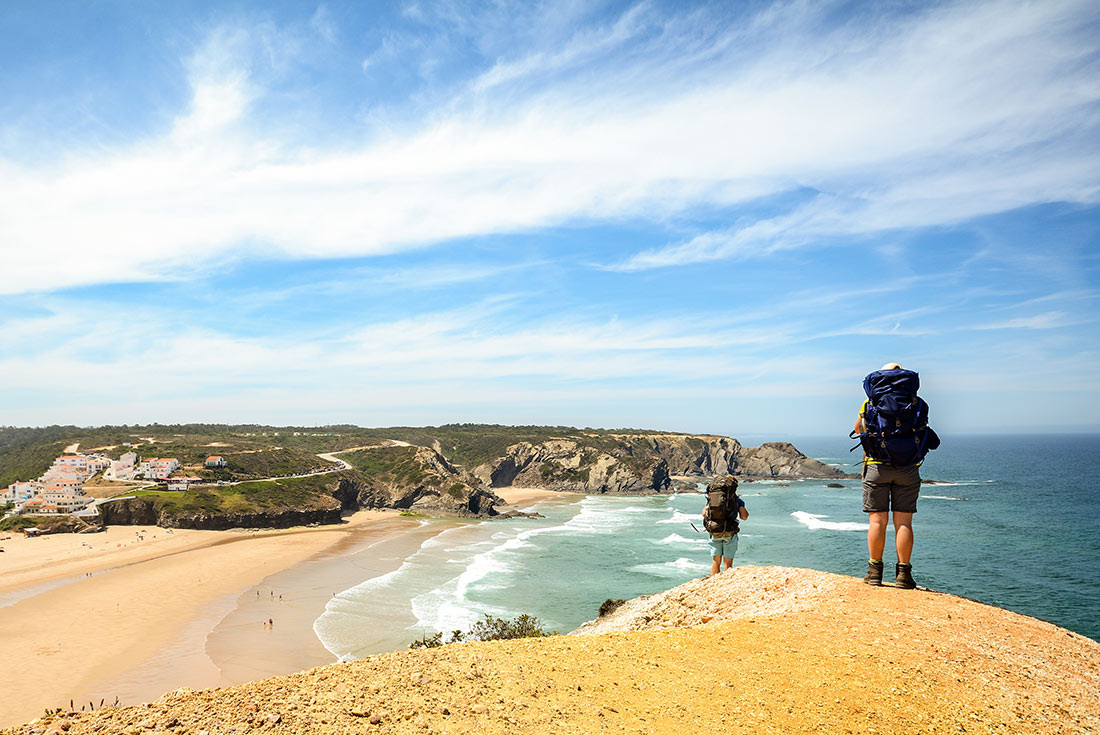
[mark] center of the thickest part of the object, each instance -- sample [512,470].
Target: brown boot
[874,574]
[904,579]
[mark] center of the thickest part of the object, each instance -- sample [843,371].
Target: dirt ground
[755,650]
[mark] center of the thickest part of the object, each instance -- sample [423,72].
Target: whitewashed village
[60,489]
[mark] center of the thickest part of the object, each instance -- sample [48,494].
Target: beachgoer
[891,478]
[271,623]
[722,524]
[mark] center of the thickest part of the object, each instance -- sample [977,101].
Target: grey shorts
[888,488]
[723,545]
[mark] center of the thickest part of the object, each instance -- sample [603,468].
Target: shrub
[609,606]
[489,629]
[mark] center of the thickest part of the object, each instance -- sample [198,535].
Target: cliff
[755,650]
[420,476]
[146,511]
[418,479]
[603,463]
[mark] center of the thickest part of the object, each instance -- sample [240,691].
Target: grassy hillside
[255,451]
[249,497]
[393,465]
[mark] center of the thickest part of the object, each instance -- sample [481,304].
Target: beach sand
[135,612]
[527,495]
[96,616]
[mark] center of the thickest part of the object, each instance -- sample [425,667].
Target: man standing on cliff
[894,433]
[721,519]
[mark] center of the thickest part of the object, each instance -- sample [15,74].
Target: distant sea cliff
[448,470]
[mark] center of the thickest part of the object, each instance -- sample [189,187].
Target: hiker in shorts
[721,516]
[894,433]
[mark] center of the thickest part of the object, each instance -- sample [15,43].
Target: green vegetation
[18,523]
[489,629]
[248,497]
[396,465]
[609,606]
[552,471]
[253,464]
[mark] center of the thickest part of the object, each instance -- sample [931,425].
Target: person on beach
[721,516]
[893,430]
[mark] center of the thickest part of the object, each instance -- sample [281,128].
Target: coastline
[89,618]
[136,612]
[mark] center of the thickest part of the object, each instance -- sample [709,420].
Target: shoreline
[86,611]
[136,612]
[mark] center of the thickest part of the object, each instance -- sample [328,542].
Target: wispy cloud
[943,118]
[1046,320]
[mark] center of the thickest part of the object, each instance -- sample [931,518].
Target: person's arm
[742,511]
[860,428]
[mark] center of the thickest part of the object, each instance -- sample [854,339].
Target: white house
[216,461]
[79,461]
[124,467]
[158,468]
[21,491]
[98,464]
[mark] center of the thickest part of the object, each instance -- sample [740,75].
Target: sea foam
[815,523]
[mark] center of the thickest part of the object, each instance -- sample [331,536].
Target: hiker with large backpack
[721,519]
[894,433]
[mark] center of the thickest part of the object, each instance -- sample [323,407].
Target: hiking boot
[905,577]
[874,573]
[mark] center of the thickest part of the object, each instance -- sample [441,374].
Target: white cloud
[958,112]
[1046,320]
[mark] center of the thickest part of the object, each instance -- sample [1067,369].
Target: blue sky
[712,217]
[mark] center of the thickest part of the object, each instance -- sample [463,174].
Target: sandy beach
[134,612]
[89,609]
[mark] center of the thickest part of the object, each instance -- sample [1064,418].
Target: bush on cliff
[489,629]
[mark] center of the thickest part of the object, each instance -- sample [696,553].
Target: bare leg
[876,533]
[903,535]
[728,561]
[716,565]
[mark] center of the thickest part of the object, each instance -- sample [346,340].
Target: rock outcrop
[419,479]
[641,462]
[569,465]
[422,479]
[145,511]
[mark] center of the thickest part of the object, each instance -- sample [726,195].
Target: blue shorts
[726,547]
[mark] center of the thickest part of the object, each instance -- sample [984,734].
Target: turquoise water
[1016,527]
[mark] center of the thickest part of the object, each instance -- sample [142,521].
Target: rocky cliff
[145,511]
[641,462]
[423,479]
[419,479]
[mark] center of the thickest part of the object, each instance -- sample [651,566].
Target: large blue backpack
[895,421]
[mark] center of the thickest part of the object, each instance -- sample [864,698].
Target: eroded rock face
[570,466]
[781,459]
[440,488]
[143,511]
[642,462]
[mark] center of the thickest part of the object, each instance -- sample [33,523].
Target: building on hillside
[59,503]
[98,464]
[216,461]
[158,468]
[54,491]
[65,476]
[21,491]
[79,461]
[124,467]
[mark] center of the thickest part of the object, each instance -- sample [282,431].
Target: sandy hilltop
[755,650]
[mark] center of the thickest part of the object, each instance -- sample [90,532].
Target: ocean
[1014,525]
